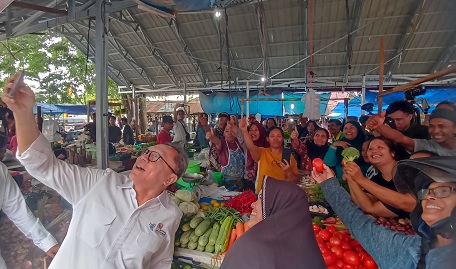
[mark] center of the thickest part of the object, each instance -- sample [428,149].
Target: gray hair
[181,159]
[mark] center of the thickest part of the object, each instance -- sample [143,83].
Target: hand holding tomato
[318,163]
[327,173]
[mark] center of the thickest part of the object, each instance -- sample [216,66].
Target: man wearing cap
[165,134]
[181,135]
[442,128]
[219,129]
[433,181]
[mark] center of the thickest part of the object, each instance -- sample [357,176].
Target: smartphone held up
[19,78]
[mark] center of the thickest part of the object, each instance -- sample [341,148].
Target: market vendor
[118,221]
[274,161]
[442,128]
[230,152]
[214,162]
[433,182]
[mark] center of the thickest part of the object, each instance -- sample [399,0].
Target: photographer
[442,128]
[401,112]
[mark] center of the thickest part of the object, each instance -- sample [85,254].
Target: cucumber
[192,245]
[223,237]
[204,239]
[209,248]
[186,227]
[193,237]
[195,221]
[185,237]
[202,227]
[214,234]
[200,248]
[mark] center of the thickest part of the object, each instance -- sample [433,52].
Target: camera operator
[401,112]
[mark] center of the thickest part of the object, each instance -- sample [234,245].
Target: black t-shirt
[378,178]
[114,134]
[417,131]
[302,131]
[91,128]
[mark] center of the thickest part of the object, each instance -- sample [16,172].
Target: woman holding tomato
[433,181]
[381,198]
[310,149]
[280,235]
[272,161]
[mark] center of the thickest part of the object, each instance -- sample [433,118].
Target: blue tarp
[59,109]
[171,6]
[433,96]
[225,102]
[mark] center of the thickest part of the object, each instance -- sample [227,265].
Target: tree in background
[58,68]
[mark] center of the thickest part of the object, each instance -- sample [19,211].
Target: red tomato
[316,227]
[346,246]
[325,235]
[338,251]
[317,163]
[369,263]
[333,266]
[334,241]
[355,242]
[340,263]
[339,235]
[360,267]
[330,258]
[359,249]
[331,229]
[362,255]
[319,240]
[350,257]
[348,266]
[347,238]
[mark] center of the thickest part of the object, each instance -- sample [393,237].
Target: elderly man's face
[152,168]
[435,209]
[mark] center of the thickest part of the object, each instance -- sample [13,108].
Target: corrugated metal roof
[426,27]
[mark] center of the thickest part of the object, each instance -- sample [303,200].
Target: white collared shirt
[108,229]
[179,131]
[13,204]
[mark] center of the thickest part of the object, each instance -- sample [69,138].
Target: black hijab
[315,151]
[357,143]
[285,237]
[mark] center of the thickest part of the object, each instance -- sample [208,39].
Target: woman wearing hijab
[433,182]
[310,149]
[281,234]
[258,134]
[353,137]
[311,127]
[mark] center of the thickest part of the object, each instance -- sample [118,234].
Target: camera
[368,107]
[411,94]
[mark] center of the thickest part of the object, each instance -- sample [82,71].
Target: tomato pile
[397,225]
[339,250]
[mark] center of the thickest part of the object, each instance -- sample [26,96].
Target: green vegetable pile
[350,154]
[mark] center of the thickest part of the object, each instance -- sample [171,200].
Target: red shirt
[164,137]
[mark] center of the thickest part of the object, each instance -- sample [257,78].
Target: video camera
[411,94]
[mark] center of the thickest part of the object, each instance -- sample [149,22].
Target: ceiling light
[218,14]
[263,79]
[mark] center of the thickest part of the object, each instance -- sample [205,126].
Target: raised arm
[376,122]
[214,139]
[393,198]
[254,151]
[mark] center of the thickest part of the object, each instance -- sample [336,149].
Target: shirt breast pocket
[150,242]
[95,224]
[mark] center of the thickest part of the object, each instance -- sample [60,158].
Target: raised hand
[320,177]
[243,124]
[210,134]
[353,171]
[375,121]
[294,134]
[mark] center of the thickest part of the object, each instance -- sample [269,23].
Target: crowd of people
[122,221]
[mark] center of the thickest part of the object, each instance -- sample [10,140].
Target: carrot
[246,227]
[239,229]
[232,239]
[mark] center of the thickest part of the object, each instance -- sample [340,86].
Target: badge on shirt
[157,228]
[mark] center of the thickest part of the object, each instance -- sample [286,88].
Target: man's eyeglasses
[153,156]
[439,192]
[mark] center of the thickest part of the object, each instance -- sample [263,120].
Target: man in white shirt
[118,221]
[13,205]
[179,128]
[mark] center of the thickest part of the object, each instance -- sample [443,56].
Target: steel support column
[101,33]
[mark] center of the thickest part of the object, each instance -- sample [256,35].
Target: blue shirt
[389,249]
